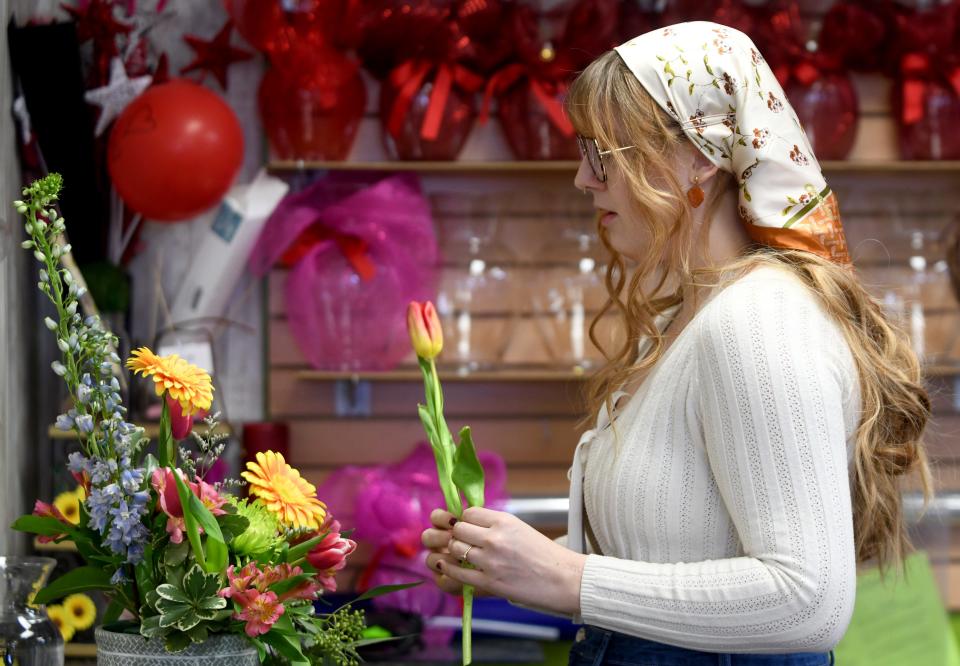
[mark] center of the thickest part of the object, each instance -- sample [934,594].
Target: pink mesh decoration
[359,250]
[389,506]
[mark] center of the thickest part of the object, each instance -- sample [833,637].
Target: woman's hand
[437,539]
[510,559]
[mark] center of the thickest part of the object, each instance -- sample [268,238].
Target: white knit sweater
[723,512]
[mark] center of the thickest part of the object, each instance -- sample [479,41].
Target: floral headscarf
[714,82]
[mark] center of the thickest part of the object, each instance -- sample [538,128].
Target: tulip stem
[467,624]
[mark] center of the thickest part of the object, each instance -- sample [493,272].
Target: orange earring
[695,193]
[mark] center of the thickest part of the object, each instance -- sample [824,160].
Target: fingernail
[453,521]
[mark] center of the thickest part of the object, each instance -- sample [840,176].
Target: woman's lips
[607,217]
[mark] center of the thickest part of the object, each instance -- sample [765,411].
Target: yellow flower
[68,503]
[284,492]
[59,618]
[185,382]
[80,611]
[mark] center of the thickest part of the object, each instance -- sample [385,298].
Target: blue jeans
[610,648]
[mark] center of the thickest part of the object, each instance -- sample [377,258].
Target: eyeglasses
[590,149]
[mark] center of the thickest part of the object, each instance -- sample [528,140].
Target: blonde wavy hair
[608,103]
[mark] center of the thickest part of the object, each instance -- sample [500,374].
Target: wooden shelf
[414,375]
[151,429]
[506,375]
[548,166]
[62,547]
[79,650]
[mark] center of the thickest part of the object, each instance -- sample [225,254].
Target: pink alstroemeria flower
[261,611]
[330,555]
[45,510]
[163,482]
[239,589]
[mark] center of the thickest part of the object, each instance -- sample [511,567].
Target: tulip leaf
[189,522]
[444,463]
[80,579]
[301,550]
[384,589]
[42,525]
[196,515]
[467,470]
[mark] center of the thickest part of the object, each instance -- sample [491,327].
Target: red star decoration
[216,55]
[96,21]
[161,73]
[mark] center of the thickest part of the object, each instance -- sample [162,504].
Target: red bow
[806,68]
[407,79]
[354,249]
[544,91]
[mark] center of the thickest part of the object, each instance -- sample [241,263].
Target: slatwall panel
[534,424]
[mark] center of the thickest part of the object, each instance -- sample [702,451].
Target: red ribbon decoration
[807,68]
[407,79]
[508,76]
[355,250]
[918,71]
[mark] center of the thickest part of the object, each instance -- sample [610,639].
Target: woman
[763,408]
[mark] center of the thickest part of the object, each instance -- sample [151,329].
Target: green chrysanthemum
[262,534]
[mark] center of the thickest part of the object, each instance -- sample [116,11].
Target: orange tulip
[424,327]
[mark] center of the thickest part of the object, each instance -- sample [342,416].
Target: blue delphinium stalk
[117,501]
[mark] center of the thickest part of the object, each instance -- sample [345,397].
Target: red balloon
[174,151]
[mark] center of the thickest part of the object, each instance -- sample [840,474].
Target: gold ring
[465,553]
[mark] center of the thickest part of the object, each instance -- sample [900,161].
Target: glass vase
[27,635]
[567,294]
[477,297]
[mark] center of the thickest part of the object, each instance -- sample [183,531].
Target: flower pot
[116,649]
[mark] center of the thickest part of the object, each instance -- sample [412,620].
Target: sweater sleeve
[773,374]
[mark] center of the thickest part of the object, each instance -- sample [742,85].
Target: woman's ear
[698,166]
[705,173]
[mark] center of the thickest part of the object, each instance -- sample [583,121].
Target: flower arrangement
[458,467]
[180,558]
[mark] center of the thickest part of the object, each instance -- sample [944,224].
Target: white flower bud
[66,249]
[22,208]
[56,251]
[43,275]
[39,255]
[59,368]
[52,215]
[72,308]
[73,289]
[68,277]
[62,344]
[80,292]
[51,324]
[26,245]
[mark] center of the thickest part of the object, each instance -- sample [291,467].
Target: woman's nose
[585,178]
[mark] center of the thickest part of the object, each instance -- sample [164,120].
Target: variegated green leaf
[171,593]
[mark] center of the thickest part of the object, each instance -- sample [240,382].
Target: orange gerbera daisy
[185,382]
[284,492]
